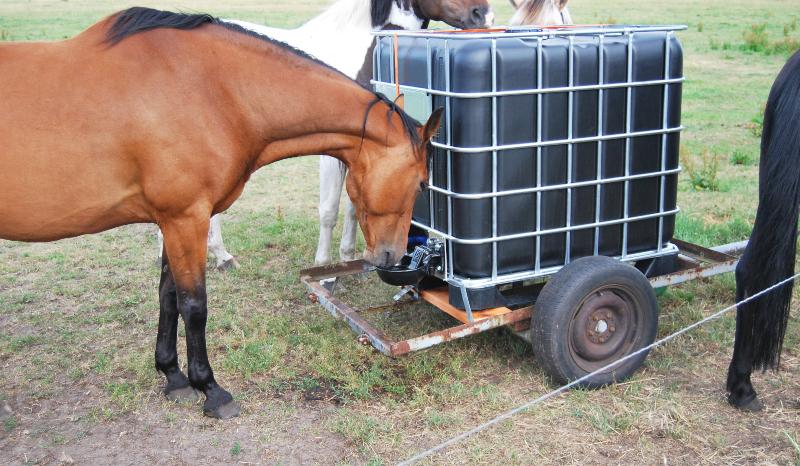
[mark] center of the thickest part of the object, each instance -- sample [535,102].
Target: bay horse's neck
[311,109]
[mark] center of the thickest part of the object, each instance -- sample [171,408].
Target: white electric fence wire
[605,368]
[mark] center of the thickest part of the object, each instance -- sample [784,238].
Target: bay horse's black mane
[409,123]
[140,19]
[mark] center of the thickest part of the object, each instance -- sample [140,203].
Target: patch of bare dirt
[66,428]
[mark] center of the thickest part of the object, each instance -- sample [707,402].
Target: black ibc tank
[596,201]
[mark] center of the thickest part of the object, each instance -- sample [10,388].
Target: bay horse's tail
[770,253]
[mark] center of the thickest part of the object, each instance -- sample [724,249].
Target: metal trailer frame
[693,262]
[388,86]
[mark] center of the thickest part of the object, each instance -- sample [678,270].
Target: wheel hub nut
[603,328]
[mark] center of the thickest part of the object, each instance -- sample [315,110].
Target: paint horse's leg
[185,241]
[347,248]
[740,390]
[160,261]
[331,178]
[216,245]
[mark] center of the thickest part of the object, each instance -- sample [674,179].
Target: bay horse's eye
[423,186]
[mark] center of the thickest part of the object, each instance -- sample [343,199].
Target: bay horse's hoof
[183,395]
[226,411]
[749,404]
[229,264]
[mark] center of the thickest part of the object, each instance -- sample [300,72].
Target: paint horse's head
[540,12]
[386,176]
[462,14]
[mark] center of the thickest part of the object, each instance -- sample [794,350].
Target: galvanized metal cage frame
[387,85]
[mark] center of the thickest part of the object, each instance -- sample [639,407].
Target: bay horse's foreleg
[185,241]
[178,387]
[216,245]
[331,179]
[740,390]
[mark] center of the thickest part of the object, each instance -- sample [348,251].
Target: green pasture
[78,317]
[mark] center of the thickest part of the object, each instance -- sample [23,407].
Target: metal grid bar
[538,252]
[545,271]
[559,142]
[547,90]
[541,232]
[599,174]
[555,187]
[495,257]
[528,32]
[448,121]
[429,69]
[628,105]
[376,65]
[570,147]
[664,123]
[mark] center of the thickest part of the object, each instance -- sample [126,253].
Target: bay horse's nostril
[478,17]
[387,259]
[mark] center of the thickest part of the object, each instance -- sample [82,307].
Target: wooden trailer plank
[439,298]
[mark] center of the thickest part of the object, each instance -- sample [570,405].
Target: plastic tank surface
[555,144]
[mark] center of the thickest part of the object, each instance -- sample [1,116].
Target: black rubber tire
[563,314]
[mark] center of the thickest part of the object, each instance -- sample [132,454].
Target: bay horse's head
[386,176]
[462,14]
[540,12]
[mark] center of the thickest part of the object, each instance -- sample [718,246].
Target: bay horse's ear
[432,125]
[400,101]
[514,3]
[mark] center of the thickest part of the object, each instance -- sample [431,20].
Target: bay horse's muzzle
[479,18]
[382,256]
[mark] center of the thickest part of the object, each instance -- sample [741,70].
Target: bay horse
[157,117]
[770,253]
[341,36]
[540,12]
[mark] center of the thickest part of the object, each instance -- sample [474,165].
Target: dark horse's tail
[770,253]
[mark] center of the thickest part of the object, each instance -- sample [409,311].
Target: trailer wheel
[594,311]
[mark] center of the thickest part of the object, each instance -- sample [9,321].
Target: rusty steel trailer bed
[693,262]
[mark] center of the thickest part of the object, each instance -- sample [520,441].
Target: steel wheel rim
[603,328]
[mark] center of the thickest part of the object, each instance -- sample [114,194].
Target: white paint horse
[540,12]
[341,36]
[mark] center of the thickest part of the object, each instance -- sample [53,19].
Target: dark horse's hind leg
[178,387]
[740,390]
[185,241]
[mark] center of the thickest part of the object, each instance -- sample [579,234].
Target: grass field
[78,317]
